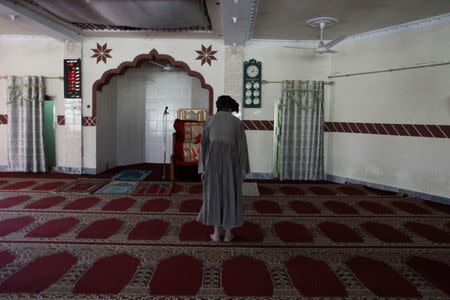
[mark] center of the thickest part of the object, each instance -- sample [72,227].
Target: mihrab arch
[137,62]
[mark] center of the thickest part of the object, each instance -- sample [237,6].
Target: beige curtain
[25,124]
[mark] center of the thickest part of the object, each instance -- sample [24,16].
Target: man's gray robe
[224,160]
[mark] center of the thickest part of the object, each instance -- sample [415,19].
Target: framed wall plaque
[72,78]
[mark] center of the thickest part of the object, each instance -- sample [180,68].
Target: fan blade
[305,48]
[323,50]
[334,42]
[157,64]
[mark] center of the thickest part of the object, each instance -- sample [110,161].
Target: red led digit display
[72,78]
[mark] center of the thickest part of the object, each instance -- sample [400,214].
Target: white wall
[123,50]
[418,96]
[33,56]
[171,89]
[130,118]
[106,127]
[199,96]
[278,63]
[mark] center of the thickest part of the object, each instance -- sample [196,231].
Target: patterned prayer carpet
[299,241]
[132,175]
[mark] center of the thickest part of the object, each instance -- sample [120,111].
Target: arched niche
[136,63]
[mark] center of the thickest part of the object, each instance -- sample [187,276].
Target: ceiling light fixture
[12,17]
[236,1]
[234,19]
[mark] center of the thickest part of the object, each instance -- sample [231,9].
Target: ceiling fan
[322,22]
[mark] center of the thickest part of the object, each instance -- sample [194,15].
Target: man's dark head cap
[226,102]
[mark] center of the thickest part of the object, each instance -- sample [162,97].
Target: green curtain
[300,140]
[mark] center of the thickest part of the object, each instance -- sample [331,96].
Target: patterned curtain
[25,124]
[300,141]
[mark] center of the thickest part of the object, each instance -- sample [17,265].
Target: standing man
[223,164]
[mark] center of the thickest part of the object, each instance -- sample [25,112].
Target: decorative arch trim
[137,62]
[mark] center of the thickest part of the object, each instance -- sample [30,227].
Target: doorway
[49,133]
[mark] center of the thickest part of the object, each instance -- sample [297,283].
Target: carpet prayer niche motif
[299,241]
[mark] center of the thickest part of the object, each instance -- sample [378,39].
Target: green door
[49,133]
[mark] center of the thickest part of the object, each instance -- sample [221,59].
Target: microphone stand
[165,114]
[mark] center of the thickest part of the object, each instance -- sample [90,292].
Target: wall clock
[252,84]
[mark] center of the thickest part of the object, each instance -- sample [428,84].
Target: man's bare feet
[228,236]
[216,235]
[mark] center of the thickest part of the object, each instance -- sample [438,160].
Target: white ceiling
[285,19]
[20,26]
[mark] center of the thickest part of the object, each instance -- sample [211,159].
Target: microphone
[165,111]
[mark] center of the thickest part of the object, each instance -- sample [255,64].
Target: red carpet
[385,233]
[49,186]
[100,229]
[287,190]
[13,201]
[8,226]
[178,275]
[302,207]
[340,233]
[438,206]
[375,208]
[108,275]
[298,241]
[82,203]
[351,191]
[195,231]
[435,272]
[248,232]
[429,232]
[340,207]
[410,208]
[265,190]
[5,258]
[39,274]
[46,202]
[267,207]
[246,276]
[322,191]
[119,204]
[152,188]
[191,206]
[156,205]
[82,185]
[314,278]
[20,185]
[53,228]
[149,230]
[381,279]
[291,232]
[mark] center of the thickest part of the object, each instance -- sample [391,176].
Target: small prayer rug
[250,189]
[132,175]
[117,187]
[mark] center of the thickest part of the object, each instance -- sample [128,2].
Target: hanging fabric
[300,140]
[25,124]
